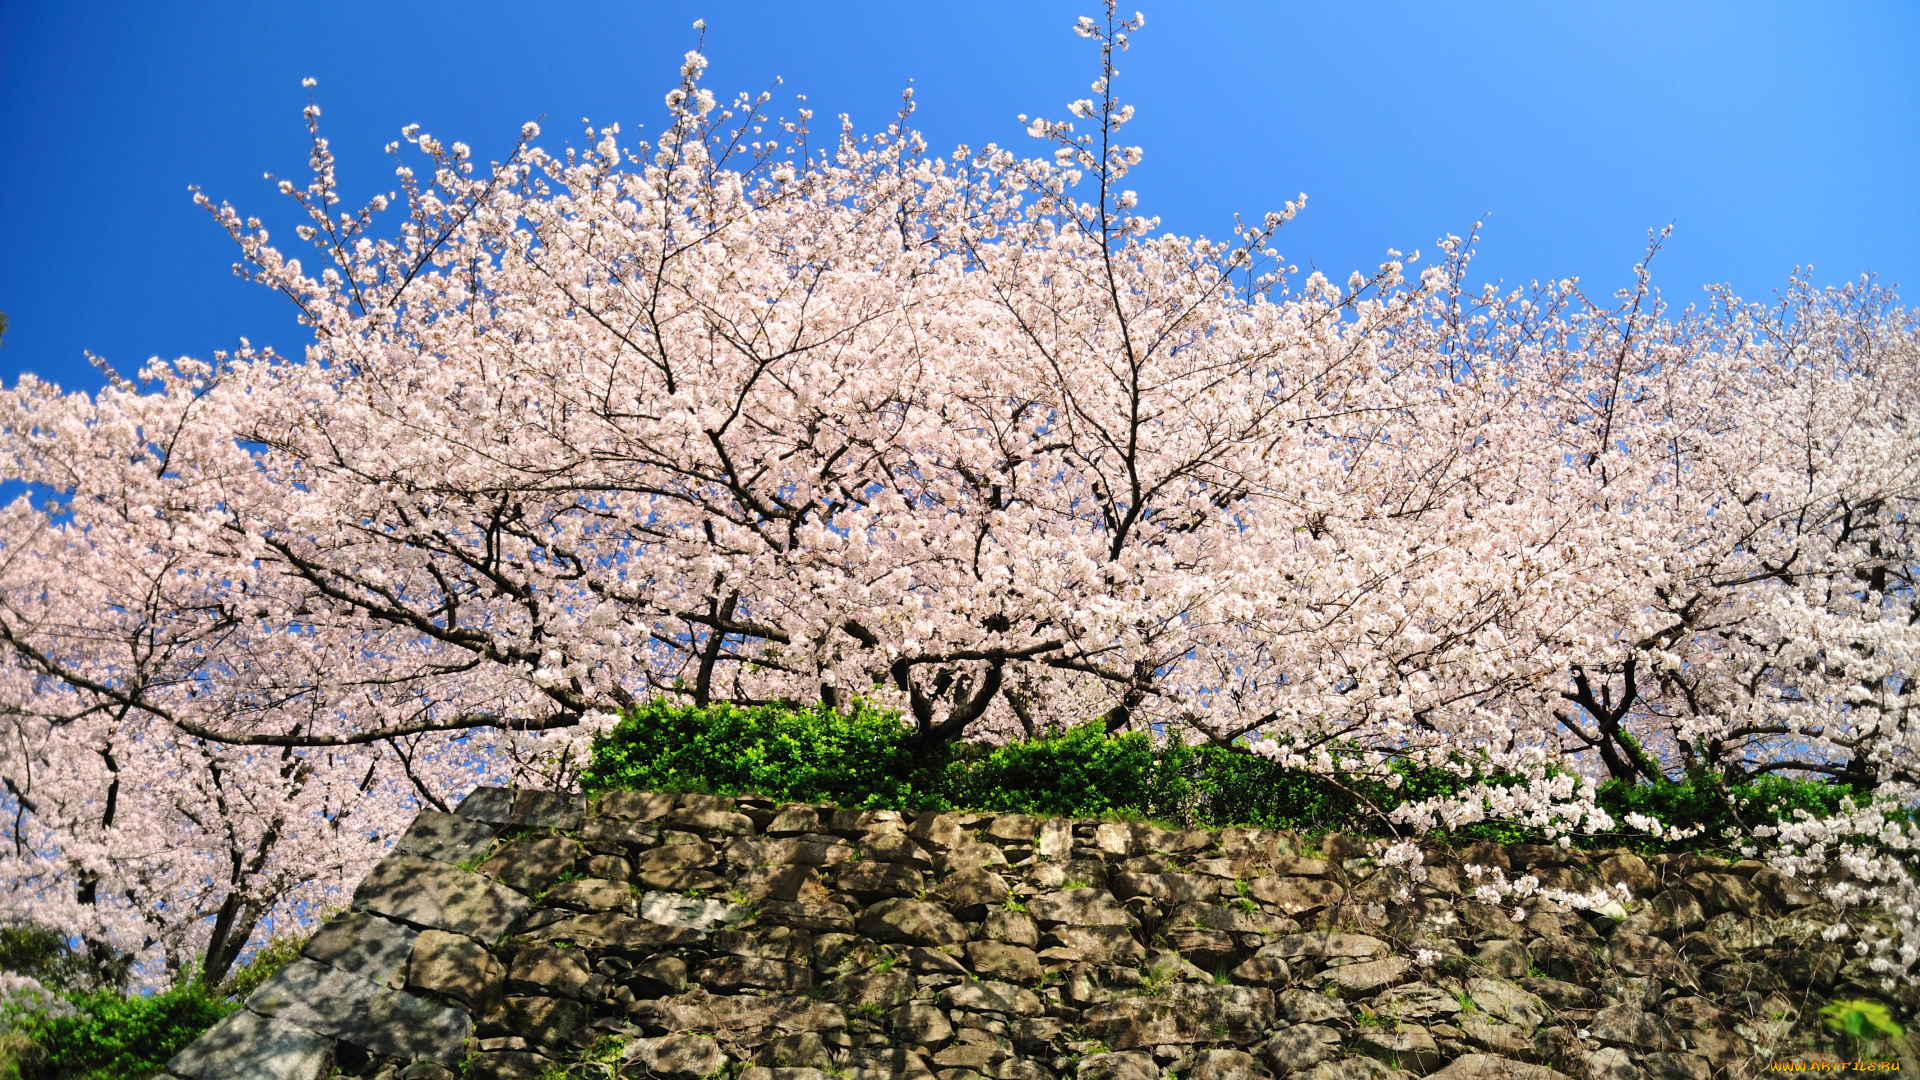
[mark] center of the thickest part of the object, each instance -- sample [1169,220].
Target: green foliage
[859,759]
[869,759]
[1862,1018]
[1701,799]
[263,965]
[114,1036]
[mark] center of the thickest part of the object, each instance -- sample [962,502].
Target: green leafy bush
[265,963]
[113,1036]
[858,759]
[1700,799]
[867,759]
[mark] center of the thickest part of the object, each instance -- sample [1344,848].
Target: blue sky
[1769,135]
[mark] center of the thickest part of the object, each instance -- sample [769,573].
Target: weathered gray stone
[730,974]
[1128,1066]
[1100,944]
[542,1021]
[1404,1046]
[435,895]
[539,809]
[870,881]
[1303,1007]
[686,1056]
[894,847]
[1495,1036]
[921,1025]
[1786,891]
[1235,919]
[608,868]
[636,805]
[1184,1013]
[530,863]
[1263,971]
[659,976]
[742,1021]
[1631,1027]
[1561,995]
[762,1072]
[365,945]
[1508,1002]
[591,894]
[1611,1063]
[1295,895]
[446,837]
[1504,959]
[246,1044]
[970,892]
[770,943]
[806,1050]
[457,966]
[616,933]
[1368,977]
[1210,949]
[1417,1001]
[1301,1047]
[508,1065]
[1055,841]
[794,819]
[690,912]
[990,996]
[1326,945]
[1630,870]
[968,855]
[870,989]
[1012,927]
[348,1007]
[1353,1068]
[1080,907]
[997,960]
[711,822]
[1225,1065]
[897,1063]
[911,922]
[546,971]
[1675,1065]
[1489,1067]
[803,915]
[677,867]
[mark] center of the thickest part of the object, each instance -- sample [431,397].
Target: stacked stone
[688,936]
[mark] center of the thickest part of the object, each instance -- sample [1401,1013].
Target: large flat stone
[617,933]
[531,863]
[437,896]
[347,1007]
[246,1044]
[539,809]
[691,912]
[457,966]
[1183,1014]
[446,837]
[361,944]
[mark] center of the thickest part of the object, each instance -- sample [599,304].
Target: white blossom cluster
[732,416]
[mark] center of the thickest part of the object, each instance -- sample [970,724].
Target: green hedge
[98,1030]
[865,759]
[110,1035]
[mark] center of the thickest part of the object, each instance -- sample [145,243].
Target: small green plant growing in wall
[1862,1018]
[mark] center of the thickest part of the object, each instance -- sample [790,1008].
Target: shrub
[867,759]
[264,964]
[114,1036]
[856,759]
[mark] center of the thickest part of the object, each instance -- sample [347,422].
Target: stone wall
[682,936]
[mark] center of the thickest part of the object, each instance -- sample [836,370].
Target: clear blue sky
[1770,135]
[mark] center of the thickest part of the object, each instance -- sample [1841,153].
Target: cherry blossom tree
[731,417]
